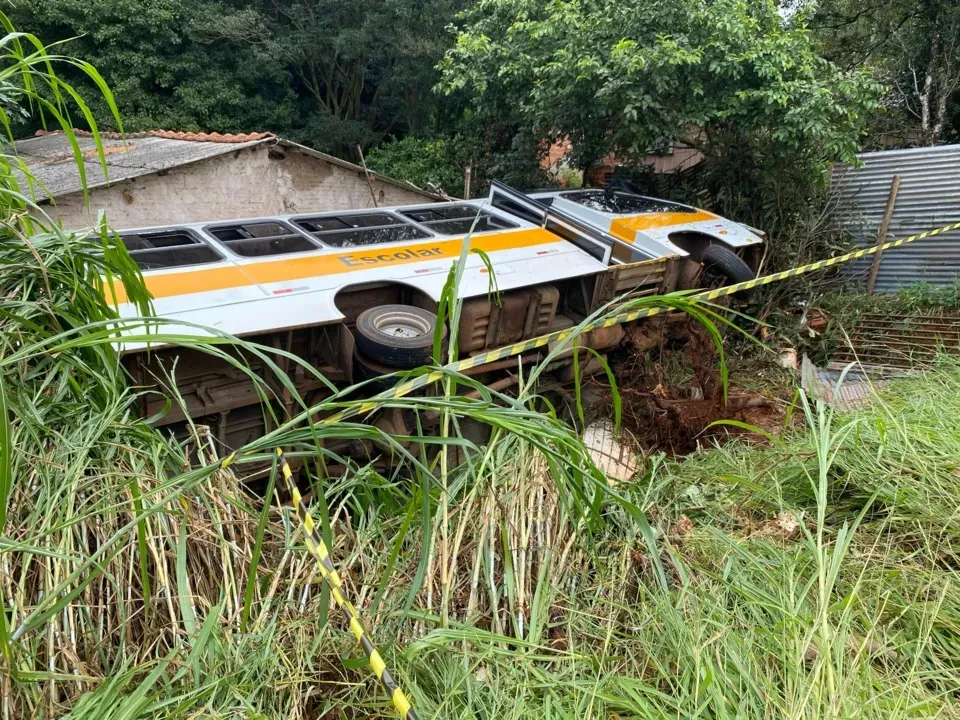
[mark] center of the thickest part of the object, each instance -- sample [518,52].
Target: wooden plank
[882,235]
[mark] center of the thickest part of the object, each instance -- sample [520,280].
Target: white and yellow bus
[354,293]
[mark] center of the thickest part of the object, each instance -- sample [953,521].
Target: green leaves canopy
[172,63]
[331,73]
[630,76]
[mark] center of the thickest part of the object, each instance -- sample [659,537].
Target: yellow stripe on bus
[626,228]
[222,277]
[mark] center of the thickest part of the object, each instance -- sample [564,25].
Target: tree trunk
[928,89]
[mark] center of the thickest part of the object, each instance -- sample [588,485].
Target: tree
[628,76]
[737,80]
[363,69]
[172,63]
[330,73]
[435,163]
[912,46]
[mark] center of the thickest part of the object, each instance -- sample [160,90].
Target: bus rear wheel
[399,336]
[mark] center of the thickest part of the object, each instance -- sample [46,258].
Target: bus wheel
[400,336]
[722,266]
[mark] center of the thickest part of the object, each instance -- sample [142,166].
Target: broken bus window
[373,228]
[458,219]
[259,239]
[167,249]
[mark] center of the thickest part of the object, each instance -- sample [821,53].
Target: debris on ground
[845,387]
[784,526]
[682,528]
[675,411]
[899,340]
[615,458]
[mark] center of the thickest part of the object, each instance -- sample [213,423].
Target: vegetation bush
[432,163]
[439,162]
[330,73]
[810,577]
[740,83]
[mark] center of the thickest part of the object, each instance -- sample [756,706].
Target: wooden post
[882,234]
[373,193]
[467,171]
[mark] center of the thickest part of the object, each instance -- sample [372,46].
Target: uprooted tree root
[676,412]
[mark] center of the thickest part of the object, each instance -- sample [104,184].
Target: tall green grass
[816,581]
[121,553]
[815,577]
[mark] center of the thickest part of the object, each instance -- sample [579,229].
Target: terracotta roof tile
[177,135]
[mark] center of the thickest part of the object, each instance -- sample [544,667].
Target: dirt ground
[670,383]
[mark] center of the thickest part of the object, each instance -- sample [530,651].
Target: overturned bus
[354,294]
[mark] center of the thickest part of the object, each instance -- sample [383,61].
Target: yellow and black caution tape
[328,572]
[538,342]
[821,264]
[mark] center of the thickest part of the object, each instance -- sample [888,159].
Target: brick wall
[252,182]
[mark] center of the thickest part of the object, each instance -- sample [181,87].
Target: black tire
[400,336]
[367,369]
[378,374]
[722,261]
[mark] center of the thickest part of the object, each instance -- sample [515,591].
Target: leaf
[184,594]
[142,550]
[252,571]
[748,427]
[6,456]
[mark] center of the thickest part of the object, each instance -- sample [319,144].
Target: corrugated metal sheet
[929,197]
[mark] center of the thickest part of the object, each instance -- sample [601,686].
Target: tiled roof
[212,137]
[50,157]
[174,135]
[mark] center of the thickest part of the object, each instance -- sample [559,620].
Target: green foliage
[32,85]
[433,163]
[69,405]
[367,65]
[172,63]
[569,177]
[438,162]
[813,577]
[843,309]
[628,76]
[735,80]
[331,73]
[510,153]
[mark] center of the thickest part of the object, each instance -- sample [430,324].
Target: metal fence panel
[929,197]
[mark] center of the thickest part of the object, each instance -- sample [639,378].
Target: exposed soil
[670,383]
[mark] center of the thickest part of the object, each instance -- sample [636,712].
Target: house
[675,158]
[164,177]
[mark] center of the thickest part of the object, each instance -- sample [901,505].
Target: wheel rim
[401,325]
